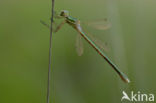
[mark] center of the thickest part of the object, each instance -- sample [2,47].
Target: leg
[57,28]
[45,24]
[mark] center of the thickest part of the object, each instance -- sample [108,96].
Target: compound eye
[62,13]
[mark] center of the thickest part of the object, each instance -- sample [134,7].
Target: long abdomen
[122,75]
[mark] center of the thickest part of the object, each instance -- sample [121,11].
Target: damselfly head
[64,13]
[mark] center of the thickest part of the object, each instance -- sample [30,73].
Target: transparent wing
[79,45]
[102,24]
[102,45]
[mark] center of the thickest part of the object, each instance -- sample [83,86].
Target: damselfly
[75,23]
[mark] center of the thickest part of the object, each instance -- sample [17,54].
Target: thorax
[72,21]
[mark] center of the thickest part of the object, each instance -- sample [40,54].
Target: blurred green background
[24,51]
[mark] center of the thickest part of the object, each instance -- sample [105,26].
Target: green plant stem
[50,52]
